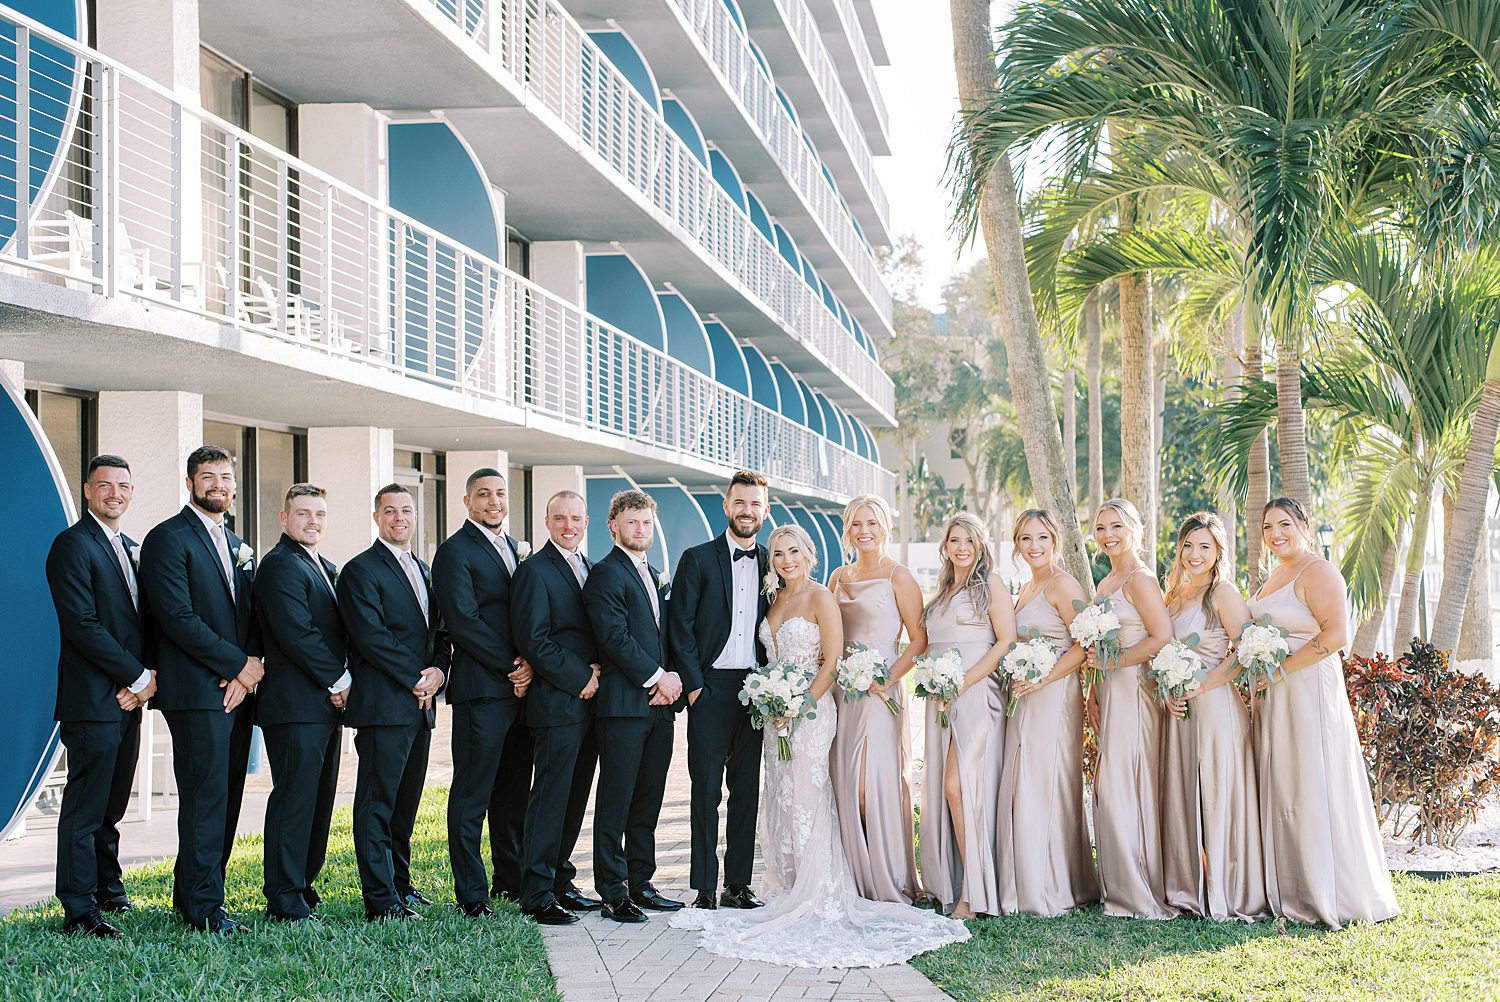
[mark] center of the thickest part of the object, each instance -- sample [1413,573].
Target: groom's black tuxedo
[102,651]
[723,747]
[201,634]
[635,738]
[305,655]
[553,633]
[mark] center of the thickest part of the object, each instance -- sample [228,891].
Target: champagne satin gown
[976,732]
[1210,811]
[872,748]
[1324,858]
[1127,784]
[1045,865]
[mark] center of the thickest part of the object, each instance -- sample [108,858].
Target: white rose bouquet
[1030,660]
[779,691]
[939,676]
[1261,649]
[1177,670]
[861,670]
[1098,629]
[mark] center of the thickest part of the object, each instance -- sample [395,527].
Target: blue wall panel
[760,217]
[729,364]
[711,504]
[434,180]
[620,294]
[681,122]
[727,178]
[598,491]
[835,552]
[55,92]
[762,380]
[792,403]
[687,341]
[680,521]
[620,50]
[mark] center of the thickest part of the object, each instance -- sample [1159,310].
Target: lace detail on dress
[814,916]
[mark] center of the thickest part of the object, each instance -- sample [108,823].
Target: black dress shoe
[92,924]
[278,917]
[505,894]
[476,909]
[739,897]
[117,905]
[415,897]
[623,911]
[552,913]
[649,898]
[706,901]
[223,925]
[396,911]
[575,900]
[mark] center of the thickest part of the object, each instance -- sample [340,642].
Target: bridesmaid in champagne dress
[1324,858]
[1210,812]
[1127,782]
[1045,865]
[871,759]
[961,767]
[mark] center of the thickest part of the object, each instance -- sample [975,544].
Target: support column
[347,141]
[14,373]
[557,266]
[459,466]
[154,431]
[351,464]
[545,482]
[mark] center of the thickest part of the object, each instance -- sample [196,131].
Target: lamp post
[1325,538]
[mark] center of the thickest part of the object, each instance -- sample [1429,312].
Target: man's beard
[635,547]
[213,506]
[734,527]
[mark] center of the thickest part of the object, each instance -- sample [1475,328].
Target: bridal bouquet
[1260,651]
[779,691]
[1030,660]
[1098,629]
[1176,670]
[861,670]
[939,676]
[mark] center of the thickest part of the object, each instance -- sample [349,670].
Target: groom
[712,628]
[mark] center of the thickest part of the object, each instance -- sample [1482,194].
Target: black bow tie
[743,554]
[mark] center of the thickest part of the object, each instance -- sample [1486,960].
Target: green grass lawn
[340,957]
[1444,945]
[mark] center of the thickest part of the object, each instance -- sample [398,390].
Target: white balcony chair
[68,245]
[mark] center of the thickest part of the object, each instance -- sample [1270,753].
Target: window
[424,474]
[70,422]
[517,253]
[267,462]
[233,94]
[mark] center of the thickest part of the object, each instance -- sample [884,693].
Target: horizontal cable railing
[561,67]
[726,44]
[110,185]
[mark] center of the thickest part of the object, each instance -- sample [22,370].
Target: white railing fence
[129,193]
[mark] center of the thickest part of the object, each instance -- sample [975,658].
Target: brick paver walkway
[598,960]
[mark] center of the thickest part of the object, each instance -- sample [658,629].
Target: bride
[814,916]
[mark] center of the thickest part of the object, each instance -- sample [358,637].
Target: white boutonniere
[663,580]
[523,549]
[243,556]
[135,556]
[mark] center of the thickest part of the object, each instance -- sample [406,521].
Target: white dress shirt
[219,536]
[345,679]
[642,564]
[739,649]
[497,538]
[118,545]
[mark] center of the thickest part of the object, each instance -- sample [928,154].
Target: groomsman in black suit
[471,581]
[627,603]
[102,683]
[299,705]
[553,634]
[398,656]
[196,575]
[716,611]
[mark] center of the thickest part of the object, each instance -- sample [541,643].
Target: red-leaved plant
[1431,741]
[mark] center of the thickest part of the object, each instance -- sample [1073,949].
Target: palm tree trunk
[1158,434]
[1229,382]
[1137,462]
[1258,488]
[1368,634]
[1070,425]
[1093,367]
[1476,639]
[1470,508]
[1416,558]
[1000,223]
[1291,425]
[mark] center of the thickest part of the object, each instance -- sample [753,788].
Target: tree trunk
[1094,365]
[1070,426]
[908,504]
[1258,490]
[1137,459]
[1368,634]
[1416,558]
[1230,373]
[1470,508]
[1000,223]
[1291,425]
[1476,639]
[1158,436]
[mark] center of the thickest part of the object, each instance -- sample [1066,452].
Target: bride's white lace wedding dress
[813,916]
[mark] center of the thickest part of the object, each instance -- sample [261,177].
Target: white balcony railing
[724,40]
[849,21]
[136,196]
[560,67]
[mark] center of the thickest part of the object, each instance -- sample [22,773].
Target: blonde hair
[978,581]
[878,507]
[773,580]
[1049,522]
[1133,524]
[1178,577]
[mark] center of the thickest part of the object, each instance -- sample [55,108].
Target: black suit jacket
[473,589]
[199,632]
[389,641]
[700,619]
[103,639]
[552,632]
[303,637]
[632,644]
